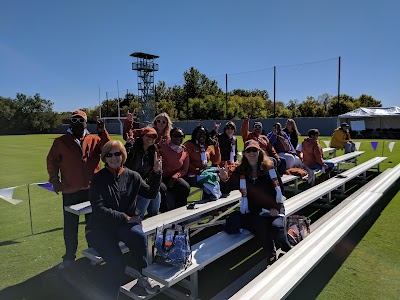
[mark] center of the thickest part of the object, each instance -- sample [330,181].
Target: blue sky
[65,50]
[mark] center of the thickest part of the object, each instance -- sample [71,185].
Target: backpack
[298,228]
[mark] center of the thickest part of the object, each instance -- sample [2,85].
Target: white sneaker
[148,284]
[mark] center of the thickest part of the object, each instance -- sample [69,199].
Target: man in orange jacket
[75,156]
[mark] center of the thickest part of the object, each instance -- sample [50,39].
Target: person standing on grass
[76,157]
[116,217]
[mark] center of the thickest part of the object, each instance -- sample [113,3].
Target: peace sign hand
[157,163]
[223,172]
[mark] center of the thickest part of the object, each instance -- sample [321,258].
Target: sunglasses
[257,126]
[78,120]
[229,128]
[161,121]
[151,136]
[116,154]
[178,135]
[251,150]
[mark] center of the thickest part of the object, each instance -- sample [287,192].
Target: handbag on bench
[172,246]
[298,228]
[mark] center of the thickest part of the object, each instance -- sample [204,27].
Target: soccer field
[370,272]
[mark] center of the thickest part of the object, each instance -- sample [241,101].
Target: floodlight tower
[145,68]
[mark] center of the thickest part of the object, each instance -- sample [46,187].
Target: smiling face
[148,140]
[177,137]
[229,130]
[161,124]
[252,155]
[114,158]
[201,136]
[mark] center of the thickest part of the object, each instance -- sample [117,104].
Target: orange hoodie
[196,165]
[312,152]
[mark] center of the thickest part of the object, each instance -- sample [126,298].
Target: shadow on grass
[81,281]
[6,243]
[318,278]
[48,231]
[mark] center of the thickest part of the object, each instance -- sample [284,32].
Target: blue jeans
[105,242]
[319,167]
[150,205]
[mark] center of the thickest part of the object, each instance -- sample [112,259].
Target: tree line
[199,98]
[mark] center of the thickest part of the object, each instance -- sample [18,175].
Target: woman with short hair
[115,216]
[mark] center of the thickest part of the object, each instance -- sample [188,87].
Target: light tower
[145,68]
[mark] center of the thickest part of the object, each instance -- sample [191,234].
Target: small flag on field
[47,186]
[357,144]
[391,145]
[327,143]
[374,145]
[7,195]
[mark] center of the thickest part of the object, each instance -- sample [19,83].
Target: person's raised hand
[157,163]
[217,126]
[223,171]
[100,125]
[129,137]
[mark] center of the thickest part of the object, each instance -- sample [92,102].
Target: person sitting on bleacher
[292,131]
[281,143]
[261,210]
[341,139]
[115,217]
[312,155]
[175,167]
[140,159]
[201,152]
[255,134]
[227,142]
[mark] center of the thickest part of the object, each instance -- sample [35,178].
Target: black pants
[105,242]
[267,230]
[175,196]
[71,222]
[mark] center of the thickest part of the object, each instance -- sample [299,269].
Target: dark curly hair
[209,141]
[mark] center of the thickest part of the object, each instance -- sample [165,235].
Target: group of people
[153,172]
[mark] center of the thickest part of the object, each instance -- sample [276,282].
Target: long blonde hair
[168,128]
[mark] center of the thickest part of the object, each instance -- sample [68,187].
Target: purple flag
[47,186]
[374,145]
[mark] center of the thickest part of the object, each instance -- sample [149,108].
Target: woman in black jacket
[115,217]
[261,210]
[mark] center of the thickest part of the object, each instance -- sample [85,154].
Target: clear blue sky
[65,50]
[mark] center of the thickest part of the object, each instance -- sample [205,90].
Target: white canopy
[374,117]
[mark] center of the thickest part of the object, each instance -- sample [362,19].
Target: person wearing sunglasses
[256,134]
[262,210]
[162,124]
[201,152]
[114,194]
[175,167]
[140,159]
[71,162]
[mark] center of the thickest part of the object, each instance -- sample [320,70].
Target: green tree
[367,101]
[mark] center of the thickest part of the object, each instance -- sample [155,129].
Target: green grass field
[371,271]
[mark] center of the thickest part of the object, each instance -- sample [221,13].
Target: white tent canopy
[374,117]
